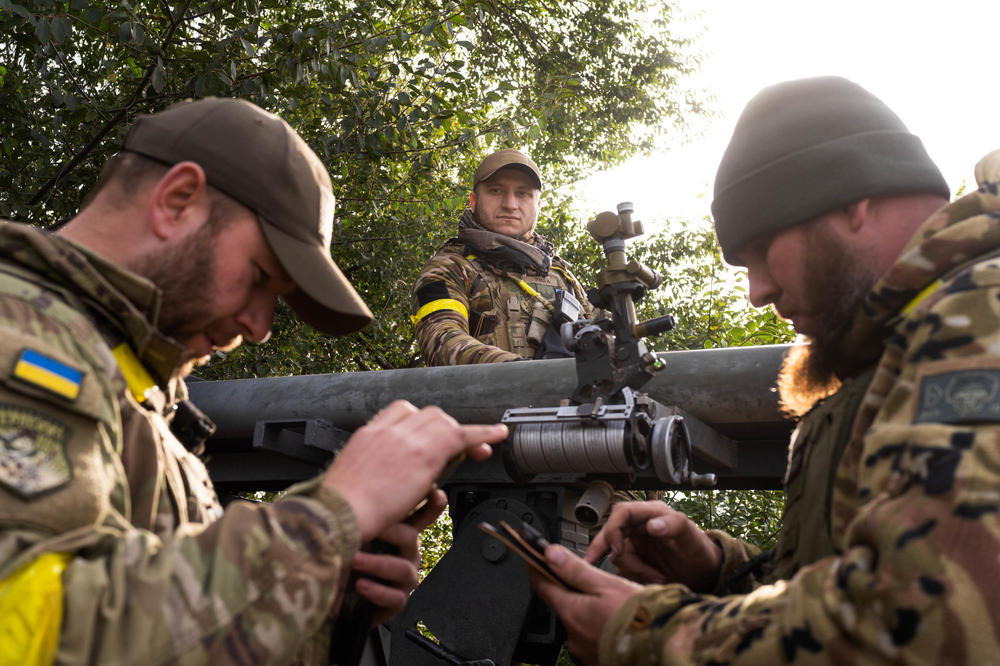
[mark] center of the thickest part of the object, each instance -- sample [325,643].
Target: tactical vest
[504,319]
[814,458]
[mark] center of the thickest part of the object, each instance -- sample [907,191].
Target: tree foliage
[399,99]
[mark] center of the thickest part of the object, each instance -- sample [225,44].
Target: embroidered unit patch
[32,452]
[49,374]
[963,396]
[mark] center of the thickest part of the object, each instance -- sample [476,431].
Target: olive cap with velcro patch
[502,159]
[256,158]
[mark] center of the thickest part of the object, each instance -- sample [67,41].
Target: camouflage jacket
[914,507]
[467,311]
[153,571]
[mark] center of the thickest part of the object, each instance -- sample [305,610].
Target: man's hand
[651,543]
[389,579]
[392,462]
[586,612]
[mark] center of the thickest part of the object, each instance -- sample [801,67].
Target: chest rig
[808,532]
[503,306]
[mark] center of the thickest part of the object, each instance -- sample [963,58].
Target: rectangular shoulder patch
[48,374]
[961,396]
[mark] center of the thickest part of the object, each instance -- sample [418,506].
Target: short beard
[840,280]
[185,276]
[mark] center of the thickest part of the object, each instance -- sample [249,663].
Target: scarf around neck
[504,252]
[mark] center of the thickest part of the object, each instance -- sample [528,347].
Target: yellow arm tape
[31,607]
[927,291]
[138,379]
[440,304]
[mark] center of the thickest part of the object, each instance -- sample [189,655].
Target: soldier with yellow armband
[491,294]
[498,292]
[113,546]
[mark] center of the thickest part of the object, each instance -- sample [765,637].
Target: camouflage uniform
[152,570]
[466,310]
[908,570]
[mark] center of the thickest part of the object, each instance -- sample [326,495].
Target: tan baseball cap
[506,158]
[256,158]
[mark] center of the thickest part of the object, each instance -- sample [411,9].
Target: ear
[859,215]
[472,201]
[179,201]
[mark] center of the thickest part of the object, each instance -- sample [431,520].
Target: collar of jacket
[954,236]
[123,300]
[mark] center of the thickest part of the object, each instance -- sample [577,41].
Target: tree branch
[119,116]
[73,77]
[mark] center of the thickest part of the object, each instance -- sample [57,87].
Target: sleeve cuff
[735,553]
[330,506]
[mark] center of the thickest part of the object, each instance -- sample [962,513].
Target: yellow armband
[31,606]
[440,304]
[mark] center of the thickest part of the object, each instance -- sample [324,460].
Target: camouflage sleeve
[245,589]
[442,307]
[916,581]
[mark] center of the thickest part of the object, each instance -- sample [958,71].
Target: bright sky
[936,64]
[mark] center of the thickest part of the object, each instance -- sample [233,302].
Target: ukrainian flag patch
[48,374]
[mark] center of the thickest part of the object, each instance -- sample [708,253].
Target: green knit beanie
[805,148]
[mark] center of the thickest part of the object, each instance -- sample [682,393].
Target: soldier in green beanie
[890,542]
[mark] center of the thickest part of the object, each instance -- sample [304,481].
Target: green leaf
[42,31]
[125,32]
[297,36]
[61,29]
[156,78]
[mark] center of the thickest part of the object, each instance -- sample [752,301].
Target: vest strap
[140,382]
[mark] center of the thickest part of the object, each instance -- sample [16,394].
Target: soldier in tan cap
[113,546]
[489,294]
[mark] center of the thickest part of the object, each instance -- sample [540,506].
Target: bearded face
[838,279]
[186,277]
